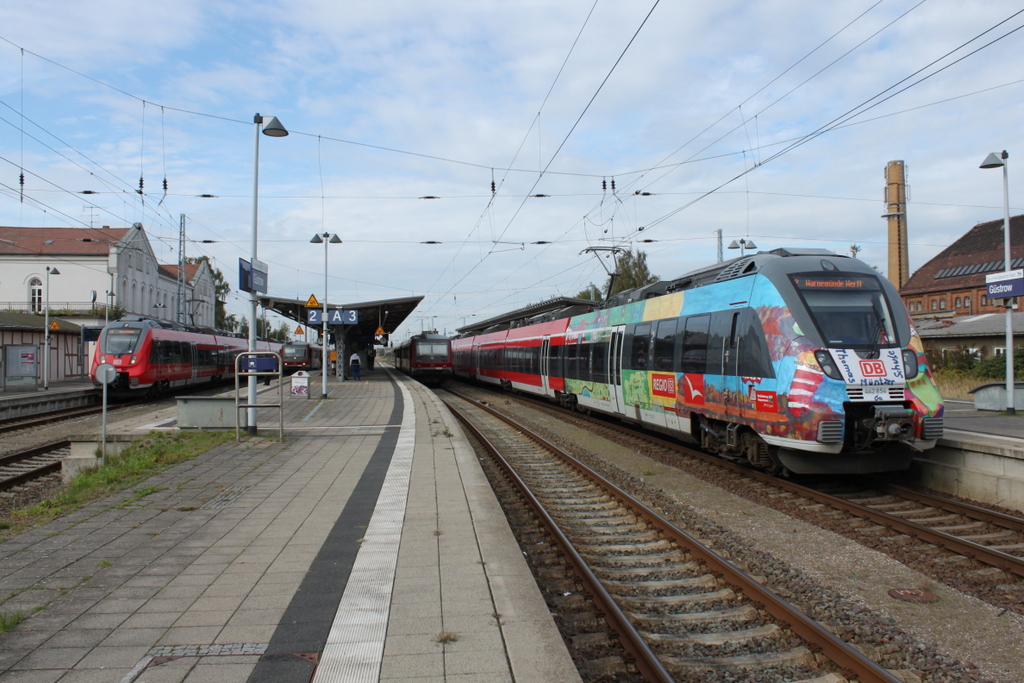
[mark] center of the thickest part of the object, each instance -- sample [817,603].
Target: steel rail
[646,661]
[962,546]
[811,631]
[12,458]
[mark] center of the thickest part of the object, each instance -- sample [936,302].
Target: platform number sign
[335,316]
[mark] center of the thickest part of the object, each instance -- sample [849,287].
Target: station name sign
[1006,284]
[335,316]
[252,277]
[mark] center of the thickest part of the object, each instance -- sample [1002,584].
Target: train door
[614,366]
[725,342]
[545,371]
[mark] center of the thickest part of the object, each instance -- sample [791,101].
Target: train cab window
[428,352]
[665,346]
[849,309]
[121,341]
[695,344]
[640,347]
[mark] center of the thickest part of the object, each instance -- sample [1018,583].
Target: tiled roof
[171,270]
[984,325]
[965,263]
[62,241]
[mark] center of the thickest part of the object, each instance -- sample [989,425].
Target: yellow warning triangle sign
[299,330]
[312,302]
[54,325]
[380,330]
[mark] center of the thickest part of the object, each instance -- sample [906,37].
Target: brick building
[953,283]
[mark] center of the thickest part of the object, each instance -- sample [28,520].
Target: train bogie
[793,360]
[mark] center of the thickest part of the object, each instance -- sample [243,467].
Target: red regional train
[152,357]
[301,356]
[425,357]
[797,360]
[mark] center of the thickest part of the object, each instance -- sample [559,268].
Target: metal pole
[103,438]
[1010,383]
[326,366]
[251,396]
[46,333]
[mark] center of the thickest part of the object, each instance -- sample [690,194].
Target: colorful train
[425,357]
[154,357]
[301,356]
[794,360]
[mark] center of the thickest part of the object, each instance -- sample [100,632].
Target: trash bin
[300,384]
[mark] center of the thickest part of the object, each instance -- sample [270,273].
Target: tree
[632,272]
[221,289]
[591,292]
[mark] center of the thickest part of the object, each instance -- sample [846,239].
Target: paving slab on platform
[236,567]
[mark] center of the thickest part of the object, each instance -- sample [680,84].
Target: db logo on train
[872,368]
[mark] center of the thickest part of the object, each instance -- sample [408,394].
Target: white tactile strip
[355,645]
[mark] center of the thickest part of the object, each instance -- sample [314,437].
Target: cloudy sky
[771,121]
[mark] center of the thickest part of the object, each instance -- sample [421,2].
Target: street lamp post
[742,244]
[326,238]
[995,160]
[272,127]
[46,328]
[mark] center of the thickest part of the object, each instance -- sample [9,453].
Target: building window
[935,304]
[967,302]
[999,350]
[942,305]
[984,301]
[958,302]
[35,295]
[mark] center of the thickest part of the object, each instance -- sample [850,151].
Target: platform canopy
[387,313]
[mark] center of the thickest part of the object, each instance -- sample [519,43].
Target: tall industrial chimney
[896,214]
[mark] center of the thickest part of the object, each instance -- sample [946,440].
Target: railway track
[966,546]
[680,609]
[18,469]
[33,421]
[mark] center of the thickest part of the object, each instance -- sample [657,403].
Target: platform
[367,546]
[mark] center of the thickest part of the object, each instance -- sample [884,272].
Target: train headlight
[910,363]
[824,359]
[132,361]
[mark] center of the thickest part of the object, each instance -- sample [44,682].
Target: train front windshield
[849,310]
[294,352]
[427,352]
[120,341]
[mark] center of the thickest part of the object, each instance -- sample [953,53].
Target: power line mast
[180,294]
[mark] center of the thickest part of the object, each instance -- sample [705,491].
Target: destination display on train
[834,282]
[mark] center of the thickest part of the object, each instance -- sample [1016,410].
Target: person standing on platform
[370,355]
[354,363]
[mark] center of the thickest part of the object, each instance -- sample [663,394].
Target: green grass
[142,459]
[9,620]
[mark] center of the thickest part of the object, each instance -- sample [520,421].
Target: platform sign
[335,316]
[252,277]
[1005,284]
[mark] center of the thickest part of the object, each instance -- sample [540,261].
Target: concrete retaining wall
[987,470]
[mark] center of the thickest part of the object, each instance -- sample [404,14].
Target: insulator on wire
[141,183]
[604,184]
[493,187]
[165,185]
[613,184]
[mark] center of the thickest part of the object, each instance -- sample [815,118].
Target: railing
[56,308]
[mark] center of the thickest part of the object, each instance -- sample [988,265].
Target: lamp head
[273,128]
[734,245]
[993,160]
[749,244]
[52,271]
[335,239]
[317,239]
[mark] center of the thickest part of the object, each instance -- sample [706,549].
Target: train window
[571,360]
[555,360]
[664,346]
[599,362]
[639,347]
[121,341]
[753,359]
[432,352]
[695,344]
[848,309]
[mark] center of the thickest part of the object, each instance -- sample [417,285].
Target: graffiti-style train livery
[796,360]
[151,357]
